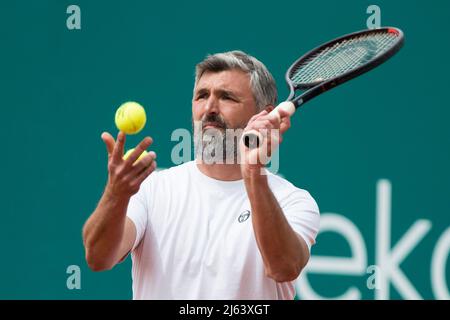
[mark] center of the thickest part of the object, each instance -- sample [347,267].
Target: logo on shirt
[244,216]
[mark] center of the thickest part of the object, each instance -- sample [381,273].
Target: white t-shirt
[195,238]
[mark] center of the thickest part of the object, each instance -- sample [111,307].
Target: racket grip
[252,139]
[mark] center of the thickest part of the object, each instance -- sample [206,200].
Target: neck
[225,172]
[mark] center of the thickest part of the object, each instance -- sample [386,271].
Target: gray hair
[262,83]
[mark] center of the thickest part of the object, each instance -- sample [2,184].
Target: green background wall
[59,89]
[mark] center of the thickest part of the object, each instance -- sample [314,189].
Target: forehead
[233,80]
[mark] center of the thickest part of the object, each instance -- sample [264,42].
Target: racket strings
[342,57]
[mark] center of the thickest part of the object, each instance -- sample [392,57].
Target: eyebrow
[220,91]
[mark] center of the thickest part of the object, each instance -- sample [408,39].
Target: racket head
[342,59]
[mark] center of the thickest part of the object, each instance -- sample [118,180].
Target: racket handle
[253,138]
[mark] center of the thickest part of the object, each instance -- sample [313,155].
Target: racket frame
[314,89]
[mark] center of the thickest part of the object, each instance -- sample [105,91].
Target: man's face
[223,100]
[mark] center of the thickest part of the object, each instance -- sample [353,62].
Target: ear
[269,108]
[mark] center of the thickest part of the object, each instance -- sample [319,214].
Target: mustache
[213,119]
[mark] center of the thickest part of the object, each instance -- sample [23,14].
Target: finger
[141,147]
[109,142]
[283,113]
[274,118]
[274,138]
[144,163]
[271,142]
[285,118]
[285,124]
[146,172]
[258,115]
[117,153]
[263,123]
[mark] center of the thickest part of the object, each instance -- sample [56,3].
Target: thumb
[109,141]
[283,113]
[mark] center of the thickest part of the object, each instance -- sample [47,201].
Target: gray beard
[216,145]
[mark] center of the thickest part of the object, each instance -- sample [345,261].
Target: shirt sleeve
[302,213]
[137,211]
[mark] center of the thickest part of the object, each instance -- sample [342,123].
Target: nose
[212,105]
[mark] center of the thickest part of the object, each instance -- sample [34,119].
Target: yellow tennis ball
[128,153]
[130,117]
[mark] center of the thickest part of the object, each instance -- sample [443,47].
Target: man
[208,230]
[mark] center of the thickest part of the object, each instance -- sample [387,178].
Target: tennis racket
[332,64]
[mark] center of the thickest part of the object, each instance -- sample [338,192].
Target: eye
[228,97]
[201,95]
